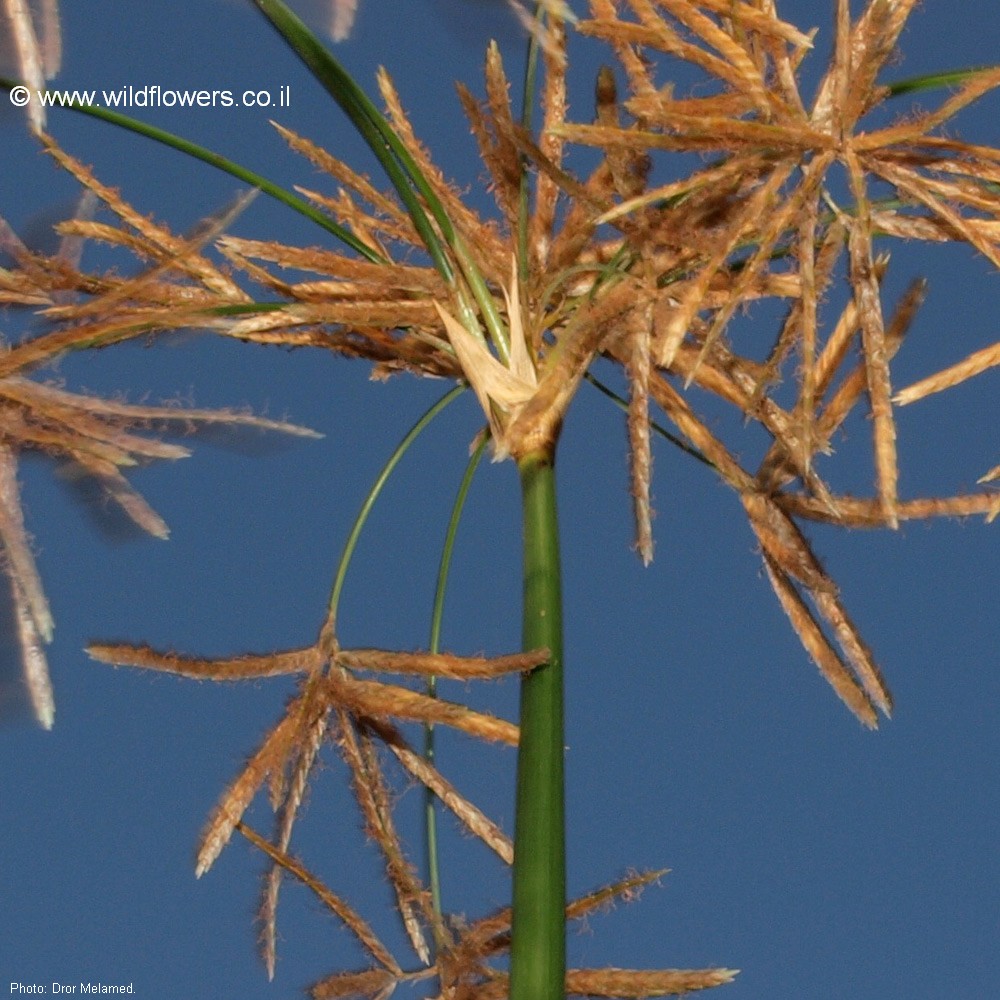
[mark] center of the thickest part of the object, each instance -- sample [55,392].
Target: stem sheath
[538,954]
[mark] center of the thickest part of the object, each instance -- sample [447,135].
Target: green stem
[538,952]
[373,494]
[430,799]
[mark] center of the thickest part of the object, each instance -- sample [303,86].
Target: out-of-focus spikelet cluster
[96,437]
[30,47]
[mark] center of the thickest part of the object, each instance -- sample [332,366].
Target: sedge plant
[635,264]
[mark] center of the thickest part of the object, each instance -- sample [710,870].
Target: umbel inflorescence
[621,265]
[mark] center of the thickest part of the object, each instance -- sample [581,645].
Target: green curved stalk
[383,477]
[430,799]
[538,951]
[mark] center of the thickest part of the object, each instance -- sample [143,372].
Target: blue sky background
[822,860]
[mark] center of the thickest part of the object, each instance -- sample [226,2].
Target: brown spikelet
[816,645]
[856,650]
[855,512]
[876,354]
[343,174]
[636,983]
[841,402]
[640,452]
[311,732]
[272,755]
[504,163]
[295,661]
[159,242]
[974,364]
[627,889]
[373,798]
[389,700]
[441,664]
[542,222]
[372,983]
[784,543]
[474,820]
[351,919]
